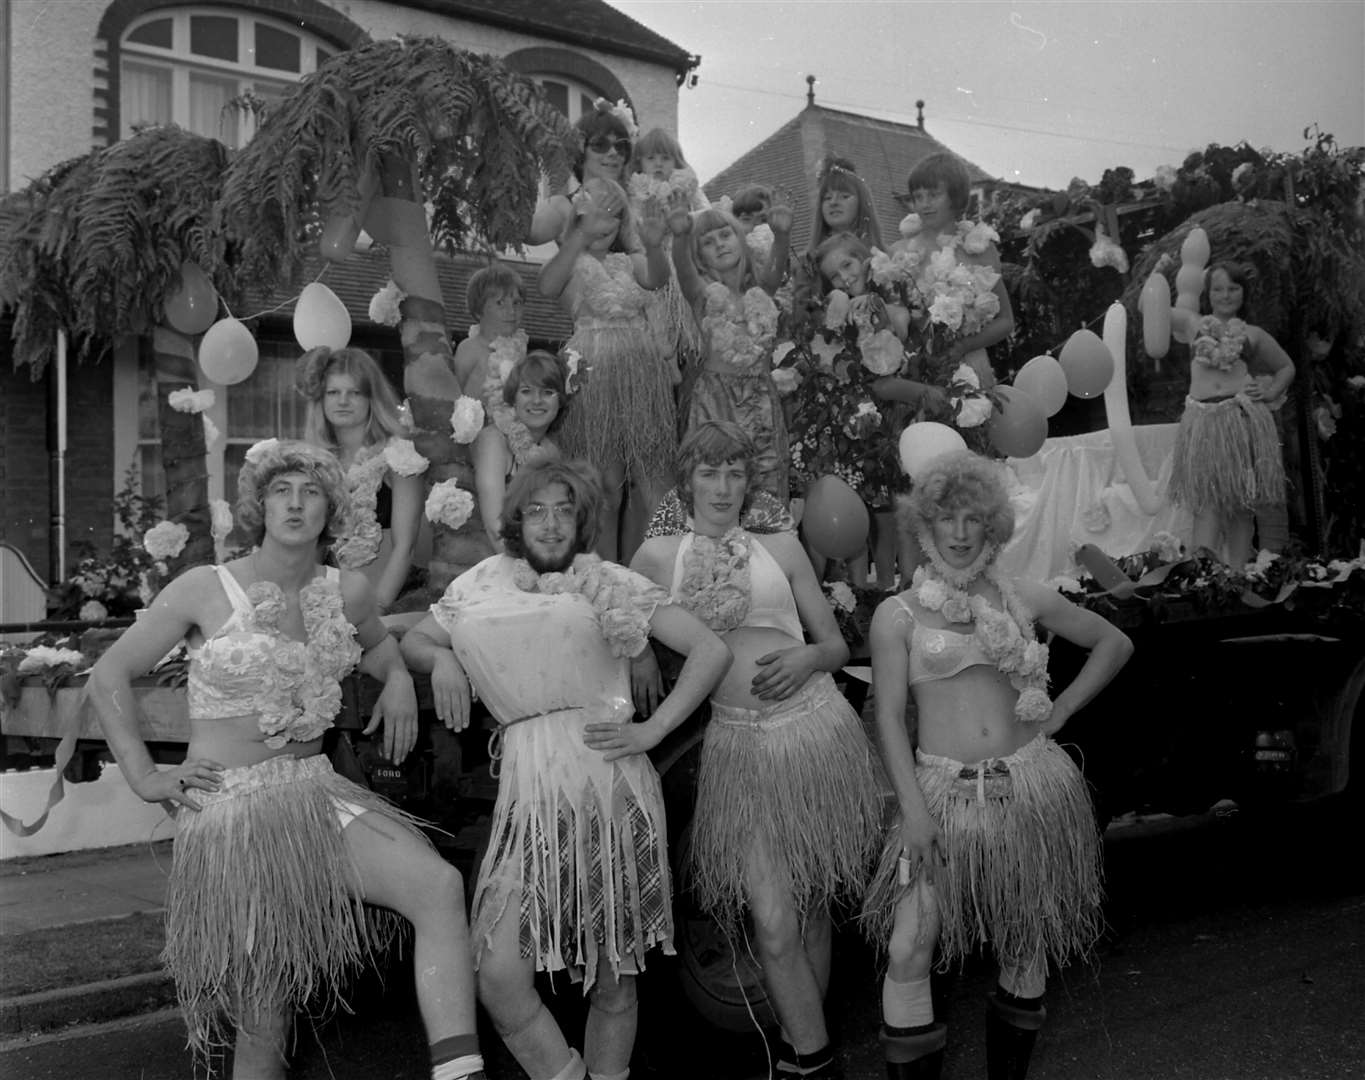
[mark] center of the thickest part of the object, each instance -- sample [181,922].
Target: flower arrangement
[54,664]
[1219,344]
[450,505]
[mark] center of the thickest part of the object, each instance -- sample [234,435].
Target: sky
[1035,93]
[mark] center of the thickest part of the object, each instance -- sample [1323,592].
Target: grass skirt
[583,844]
[1227,457]
[1024,867]
[796,780]
[623,410]
[263,909]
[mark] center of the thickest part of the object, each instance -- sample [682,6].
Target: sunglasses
[604,144]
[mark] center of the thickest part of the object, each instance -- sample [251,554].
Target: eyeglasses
[604,144]
[538,513]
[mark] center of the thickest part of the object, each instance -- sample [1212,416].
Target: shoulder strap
[684,546]
[233,588]
[904,606]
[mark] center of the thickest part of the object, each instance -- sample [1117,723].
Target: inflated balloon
[835,520]
[320,318]
[1043,379]
[1155,305]
[339,237]
[1189,279]
[192,305]
[1118,415]
[1184,323]
[1018,428]
[922,442]
[228,353]
[1087,363]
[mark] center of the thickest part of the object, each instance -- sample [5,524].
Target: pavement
[92,889]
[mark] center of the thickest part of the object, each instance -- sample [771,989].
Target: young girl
[843,203]
[940,190]
[623,420]
[354,413]
[527,404]
[605,137]
[495,300]
[738,322]
[766,221]
[1227,453]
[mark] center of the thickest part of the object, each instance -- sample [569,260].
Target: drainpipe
[57,452]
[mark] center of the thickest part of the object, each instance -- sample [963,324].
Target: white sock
[907,1004]
[574,1070]
[622,1075]
[457,1068]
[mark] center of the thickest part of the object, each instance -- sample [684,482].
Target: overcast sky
[1032,92]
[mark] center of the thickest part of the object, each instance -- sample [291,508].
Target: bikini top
[250,667]
[771,603]
[937,653]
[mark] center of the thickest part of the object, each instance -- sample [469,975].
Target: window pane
[584,106]
[276,48]
[323,57]
[144,95]
[157,32]
[214,35]
[266,406]
[208,95]
[557,94]
[153,478]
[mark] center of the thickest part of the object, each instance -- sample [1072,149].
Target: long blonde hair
[310,379]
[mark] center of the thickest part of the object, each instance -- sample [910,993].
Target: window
[185,65]
[571,98]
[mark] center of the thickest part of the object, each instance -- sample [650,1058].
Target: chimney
[919,107]
[810,92]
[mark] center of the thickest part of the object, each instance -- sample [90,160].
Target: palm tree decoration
[450,147]
[97,246]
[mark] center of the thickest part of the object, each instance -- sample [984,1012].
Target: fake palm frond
[479,135]
[100,240]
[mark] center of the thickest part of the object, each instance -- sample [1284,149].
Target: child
[757,208]
[940,190]
[1227,453]
[843,203]
[738,321]
[495,300]
[623,419]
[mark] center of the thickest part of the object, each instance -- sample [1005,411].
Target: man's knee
[777,931]
[613,996]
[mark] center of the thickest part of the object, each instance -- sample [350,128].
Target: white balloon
[923,441]
[227,352]
[1120,418]
[320,318]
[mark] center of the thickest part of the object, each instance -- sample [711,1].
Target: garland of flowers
[715,579]
[622,602]
[741,329]
[1007,636]
[360,546]
[304,699]
[1219,344]
[504,353]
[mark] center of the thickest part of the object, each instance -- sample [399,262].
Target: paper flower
[466,419]
[47,656]
[384,305]
[836,308]
[1105,252]
[260,449]
[973,411]
[978,238]
[911,225]
[841,597]
[786,380]
[622,112]
[1029,221]
[93,611]
[402,457]
[450,505]
[882,352]
[220,514]
[190,401]
[166,540]
[965,373]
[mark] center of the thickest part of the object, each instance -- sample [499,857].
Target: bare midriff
[970,716]
[237,741]
[747,644]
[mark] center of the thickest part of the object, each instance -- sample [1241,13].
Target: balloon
[1189,279]
[1116,410]
[1155,305]
[922,442]
[1087,363]
[1183,325]
[834,520]
[192,305]
[1195,249]
[1018,427]
[320,318]
[227,353]
[339,237]
[1043,379]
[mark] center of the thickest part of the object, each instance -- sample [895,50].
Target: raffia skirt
[263,909]
[581,846]
[796,783]
[1227,456]
[1024,869]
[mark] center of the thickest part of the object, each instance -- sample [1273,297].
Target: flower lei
[715,579]
[360,546]
[504,353]
[622,602]
[740,330]
[1219,344]
[301,693]
[1007,636]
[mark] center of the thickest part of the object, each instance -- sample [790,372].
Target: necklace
[715,579]
[623,602]
[1005,636]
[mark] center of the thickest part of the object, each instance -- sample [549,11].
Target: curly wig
[585,490]
[957,481]
[274,457]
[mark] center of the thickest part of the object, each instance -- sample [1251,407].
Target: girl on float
[1228,465]
[354,413]
[995,843]
[495,300]
[623,419]
[277,858]
[605,138]
[787,807]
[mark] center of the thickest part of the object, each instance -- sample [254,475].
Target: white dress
[577,842]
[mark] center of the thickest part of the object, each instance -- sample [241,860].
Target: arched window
[183,65]
[569,96]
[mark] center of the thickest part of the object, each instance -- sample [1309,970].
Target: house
[83,73]
[883,152]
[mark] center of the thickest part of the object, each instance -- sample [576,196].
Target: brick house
[82,73]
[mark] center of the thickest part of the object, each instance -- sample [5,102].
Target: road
[1236,951]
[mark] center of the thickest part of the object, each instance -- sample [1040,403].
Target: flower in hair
[259,450]
[622,112]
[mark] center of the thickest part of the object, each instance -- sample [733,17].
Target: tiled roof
[590,23]
[883,152]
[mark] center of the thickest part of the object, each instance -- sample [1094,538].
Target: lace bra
[250,667]
[937,653]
